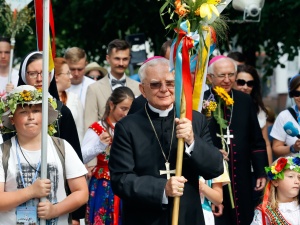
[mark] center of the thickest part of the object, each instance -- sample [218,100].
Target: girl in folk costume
[103,207]
[281,199]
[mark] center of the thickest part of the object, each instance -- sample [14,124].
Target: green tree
[92,24]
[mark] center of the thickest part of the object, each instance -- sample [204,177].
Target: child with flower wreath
[20,164]
[281,198]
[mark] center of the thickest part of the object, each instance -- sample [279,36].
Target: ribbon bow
[115,82]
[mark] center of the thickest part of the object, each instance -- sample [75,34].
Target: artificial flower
[296,160]
[280,164]
[277,171]
[207,9]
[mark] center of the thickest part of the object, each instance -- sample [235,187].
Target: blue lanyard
[20,168]
[297,113]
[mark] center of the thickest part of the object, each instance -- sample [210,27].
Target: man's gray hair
[211,68]
[152,62]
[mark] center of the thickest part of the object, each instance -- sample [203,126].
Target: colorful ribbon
[39,30]
[183,81]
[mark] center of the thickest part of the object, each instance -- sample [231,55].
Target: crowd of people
[113,141]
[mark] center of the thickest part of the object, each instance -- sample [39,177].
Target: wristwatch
[292,149]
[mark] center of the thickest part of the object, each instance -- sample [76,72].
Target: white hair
[211,67]
[152,62]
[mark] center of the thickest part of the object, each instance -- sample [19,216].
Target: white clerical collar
[162,113]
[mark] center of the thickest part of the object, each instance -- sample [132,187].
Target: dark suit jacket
[136,159]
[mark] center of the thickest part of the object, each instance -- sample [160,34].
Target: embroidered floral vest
[274,216]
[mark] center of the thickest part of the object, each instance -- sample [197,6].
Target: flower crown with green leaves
[276,171]
[22,98]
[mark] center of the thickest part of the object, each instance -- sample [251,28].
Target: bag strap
[60,148]
[292,111]
[5,146]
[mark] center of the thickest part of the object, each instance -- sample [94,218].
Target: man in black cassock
[247,145]
[144,142]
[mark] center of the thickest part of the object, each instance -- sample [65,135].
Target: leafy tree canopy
[92,24]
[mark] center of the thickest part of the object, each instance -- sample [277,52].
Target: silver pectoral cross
[167,171]
[228,136]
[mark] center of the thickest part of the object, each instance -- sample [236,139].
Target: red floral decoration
[281,164]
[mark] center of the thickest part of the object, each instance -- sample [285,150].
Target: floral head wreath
[276,171]
[25,95]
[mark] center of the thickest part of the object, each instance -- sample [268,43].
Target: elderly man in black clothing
[246,146]
[144,150]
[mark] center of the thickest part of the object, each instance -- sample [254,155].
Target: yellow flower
[207,9]
[212,106]
[51,129]
[224,95]
[273,170]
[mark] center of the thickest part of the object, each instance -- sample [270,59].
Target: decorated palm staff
[280,203]
[196,27]
[20,184]
[16,17]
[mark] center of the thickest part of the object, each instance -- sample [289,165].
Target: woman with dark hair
[31,73]
[284,144]
[103,206]
[247,81]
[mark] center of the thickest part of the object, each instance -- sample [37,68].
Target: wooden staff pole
[12,46]
[178,172]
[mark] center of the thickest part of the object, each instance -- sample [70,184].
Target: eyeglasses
[170,84]
[67,73]
[222,76]
[34,74]
[241,82]
[294,94]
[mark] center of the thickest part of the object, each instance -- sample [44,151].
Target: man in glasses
[77,60]
[245,146]
[144,150]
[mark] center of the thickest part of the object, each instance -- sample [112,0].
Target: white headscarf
[24,65]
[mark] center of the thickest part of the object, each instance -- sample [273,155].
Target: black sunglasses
[294,94]
[241,82]
[170,84]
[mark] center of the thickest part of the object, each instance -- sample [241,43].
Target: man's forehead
[80,63]
[119,52]
[224,65]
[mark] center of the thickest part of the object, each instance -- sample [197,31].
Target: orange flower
[15,15]
[180,8]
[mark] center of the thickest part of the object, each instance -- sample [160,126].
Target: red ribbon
[265,202]
[186,71]
[116,210]
[39,25]
[186,76]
